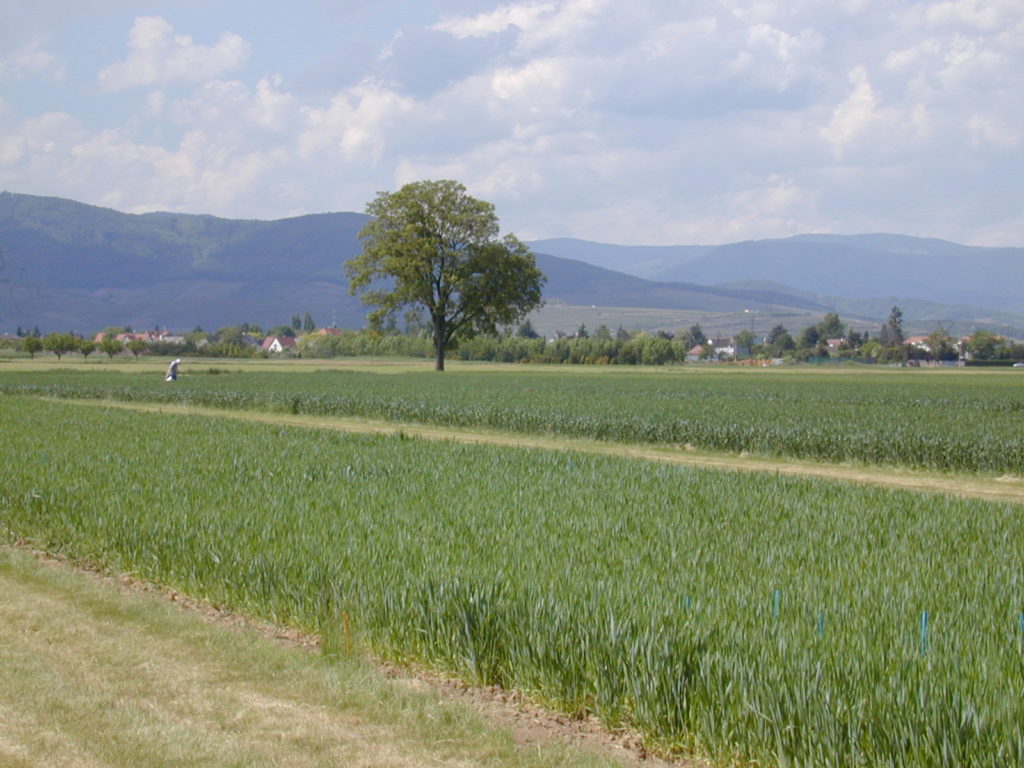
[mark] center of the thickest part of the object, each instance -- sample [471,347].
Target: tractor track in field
[989,488]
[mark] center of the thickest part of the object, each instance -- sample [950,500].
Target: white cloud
[854,115]
[984,15]
[157,55]
[525,16]
[987,131]
[968,61]
[540,87]
[229,105]
[30,59]
[354,124]
[644,121]
[538,23]
[203,172]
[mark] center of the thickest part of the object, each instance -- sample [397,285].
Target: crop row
[743,617]
[947,422]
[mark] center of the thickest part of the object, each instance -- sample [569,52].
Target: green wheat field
[747,618]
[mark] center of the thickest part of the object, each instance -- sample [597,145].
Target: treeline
[640,348]
[829,339]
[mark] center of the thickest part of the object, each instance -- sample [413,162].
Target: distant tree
[59,343]
[230,335]
[137,346]
[891,334]
[775,333]
[781,343]
[308,324]
[871,350]
[86,347]
[581,332]
[526,331]
[697,337]
[32,344]
[110,346]
[438,248]
[941,345]
[853,340]
[809,338]
[621,334]
[603,333]
[984,345]
[113,330]
[744,340]
[282,330]
[296,322]
[831,327]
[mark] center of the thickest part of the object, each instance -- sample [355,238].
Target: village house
[723,349]
[147,336]
[918,342]
[275,345]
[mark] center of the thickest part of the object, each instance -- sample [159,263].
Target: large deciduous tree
[433,246]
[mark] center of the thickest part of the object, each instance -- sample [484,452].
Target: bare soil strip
[1005,488]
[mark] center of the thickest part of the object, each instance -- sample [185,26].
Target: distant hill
[71,266]
[854,266]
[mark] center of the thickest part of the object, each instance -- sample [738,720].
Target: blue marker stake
[821,625]
[924,632]
[687,603]
[775,607]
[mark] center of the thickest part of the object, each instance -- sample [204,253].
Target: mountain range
[71,266]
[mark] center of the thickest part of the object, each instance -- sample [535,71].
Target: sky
[648,122]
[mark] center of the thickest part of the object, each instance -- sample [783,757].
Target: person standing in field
[172,370]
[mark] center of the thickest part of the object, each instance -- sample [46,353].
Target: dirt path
[1006,488]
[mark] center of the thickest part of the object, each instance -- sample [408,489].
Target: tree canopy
[431,245]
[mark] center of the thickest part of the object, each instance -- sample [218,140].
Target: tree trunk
[439,343]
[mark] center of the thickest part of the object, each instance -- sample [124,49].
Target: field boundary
[1005,489]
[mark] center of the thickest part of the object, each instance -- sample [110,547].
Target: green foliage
[111,346]
[749,618]
[984,345]
[32,344]
[936,420]
[431,245]
[86,347]
[697,337]
[891,334]
[59,343]
[137,346]
[831,327]
[526,331]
